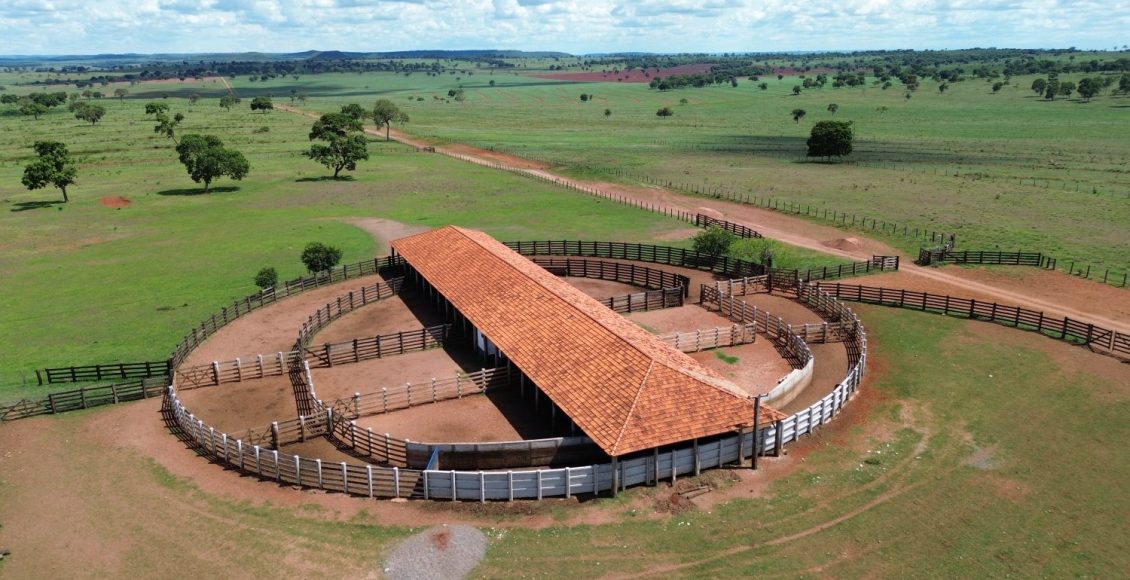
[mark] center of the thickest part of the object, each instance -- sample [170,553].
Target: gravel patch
[438,552]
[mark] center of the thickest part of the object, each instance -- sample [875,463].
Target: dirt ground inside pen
[496,416]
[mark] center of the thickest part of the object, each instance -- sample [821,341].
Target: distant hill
[127,59]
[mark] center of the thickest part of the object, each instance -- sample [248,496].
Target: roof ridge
[632,409]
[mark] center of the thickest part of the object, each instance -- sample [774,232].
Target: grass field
[1007,170]
[975,450]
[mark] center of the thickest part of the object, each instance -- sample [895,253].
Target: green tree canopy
[167,126]
[830,138]
[33,109]
[262,104]
[713,241]
[205,158]
[1089,87]
[228,101]
[385,112]
[319,257]
[267,278]
[154,107]
[832,108]
[345,145]
[53,166]
[798,114]
[121,94]
[90,113]
[665,112]
[356,111]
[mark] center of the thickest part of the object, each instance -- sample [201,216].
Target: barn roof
[627,390]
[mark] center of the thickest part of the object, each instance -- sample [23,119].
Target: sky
[574,26]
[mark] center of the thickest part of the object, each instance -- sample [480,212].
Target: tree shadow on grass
[199,191]
[324,178]
[29,205]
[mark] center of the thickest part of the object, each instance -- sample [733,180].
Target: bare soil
[496,416]
[115,201]
[758,369]
[401,313]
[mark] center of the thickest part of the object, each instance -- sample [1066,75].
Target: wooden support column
[756,434]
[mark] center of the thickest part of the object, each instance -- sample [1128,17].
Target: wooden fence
[372,347]
[236,370]
[615,271]
[290,288]
[1064,328]
[643,468]
[705,221]
[345,304]
[710,338]
[928,256]
[84,398]
[102,372]
[644,301]
[640,252]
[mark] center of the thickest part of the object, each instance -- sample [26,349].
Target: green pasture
[1007,170]
[982,454]
[85,284]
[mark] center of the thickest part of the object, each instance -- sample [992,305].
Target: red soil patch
[115,201]
[628,76]
[441,539]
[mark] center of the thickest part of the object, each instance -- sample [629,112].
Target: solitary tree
[262,104]
[713,242]
[52,166]
[763,86]
[345,145]
[832,108]
[796,89]
[665,112]
[121,94]
[942,87]
[267,278]
[205,158]
[90,113]
[608,112]
[385,112]
[228,101]
[154,107]
[1039,85]
[997,86]
[319,257]
[830,138]
[799,114]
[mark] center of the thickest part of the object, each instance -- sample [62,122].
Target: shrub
[665,112]
[267,278]
[319,257]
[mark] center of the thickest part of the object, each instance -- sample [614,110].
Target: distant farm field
[1007,170]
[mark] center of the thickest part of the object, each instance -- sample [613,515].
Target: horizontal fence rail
[928,256]
[102,372]
[84,398]
[710,338]
[1064,328]
[640,252]
[373,347]
[633,274]
[644,301]
[236,370]
[705,221]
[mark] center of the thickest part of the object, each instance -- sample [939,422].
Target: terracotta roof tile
[623,387]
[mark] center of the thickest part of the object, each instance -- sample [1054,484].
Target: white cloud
[578,26]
